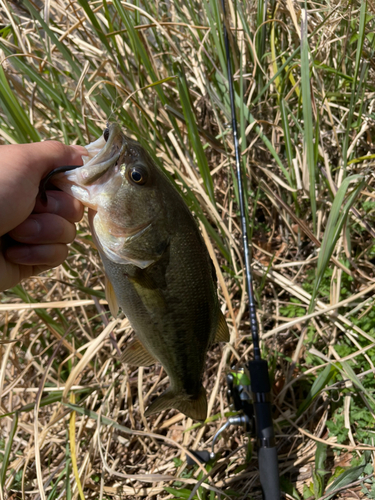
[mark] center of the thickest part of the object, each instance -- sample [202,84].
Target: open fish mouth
[102,154]
[79,180]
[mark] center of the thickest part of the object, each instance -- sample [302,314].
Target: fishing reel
[239,398]
[251,398]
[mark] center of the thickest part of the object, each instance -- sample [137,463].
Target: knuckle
[58,148]
[72,232]
[61,252]
[57,254]
[59,230]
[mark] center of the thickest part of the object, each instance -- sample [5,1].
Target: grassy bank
[305,96]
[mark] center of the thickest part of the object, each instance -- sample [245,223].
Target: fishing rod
[251,398]
[258,367]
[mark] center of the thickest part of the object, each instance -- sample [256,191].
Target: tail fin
[194,408]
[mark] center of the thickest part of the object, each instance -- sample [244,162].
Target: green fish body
[157,266]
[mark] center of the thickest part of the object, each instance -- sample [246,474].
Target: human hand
[34,237]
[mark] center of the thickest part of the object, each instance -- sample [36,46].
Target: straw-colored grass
[71,416]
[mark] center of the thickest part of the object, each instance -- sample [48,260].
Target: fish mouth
[102,155]
[86,182]
[98,180]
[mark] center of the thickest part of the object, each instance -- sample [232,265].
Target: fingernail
[28,229]
[19,254]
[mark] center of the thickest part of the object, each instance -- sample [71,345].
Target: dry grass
[60,380]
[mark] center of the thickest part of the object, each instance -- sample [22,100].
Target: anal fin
[222,332]
[135,354]
[195,408]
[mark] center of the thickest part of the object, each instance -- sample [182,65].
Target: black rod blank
[249,281]
[258,367]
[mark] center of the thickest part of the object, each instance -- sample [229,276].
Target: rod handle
[269,473]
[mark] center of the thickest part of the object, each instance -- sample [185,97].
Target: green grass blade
[350,373]
[288,61]
[26,297]
[361,38]
[23,129]
[180,493]
[322,380]
[260,40]
[347,477]
[59,45]
[307,117]
[320,458]
[42,83]
[8,449]
[250,118]
[287,141]
[337,217]
[95,24]
[138,48]
[53,397]
[214,20]
[63,473]
[68,461]
[194,137]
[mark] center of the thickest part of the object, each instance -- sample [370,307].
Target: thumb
[22,168]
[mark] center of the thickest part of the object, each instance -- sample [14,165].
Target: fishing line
[44,182]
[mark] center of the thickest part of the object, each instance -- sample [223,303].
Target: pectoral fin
[152,298]
[111,297]
[135,354]
[222,332]
[195,408]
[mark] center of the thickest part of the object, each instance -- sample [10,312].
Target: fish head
[127,195]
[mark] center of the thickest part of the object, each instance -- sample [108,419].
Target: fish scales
[157,267]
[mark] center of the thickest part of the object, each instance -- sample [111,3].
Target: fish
[157,267]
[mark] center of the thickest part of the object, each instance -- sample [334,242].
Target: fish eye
[138,175]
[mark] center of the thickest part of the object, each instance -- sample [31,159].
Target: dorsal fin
[222,332]
[111,297]
[137,355]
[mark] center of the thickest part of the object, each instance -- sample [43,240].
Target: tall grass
[304,91]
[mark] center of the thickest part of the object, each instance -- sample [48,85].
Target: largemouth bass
[157,267]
